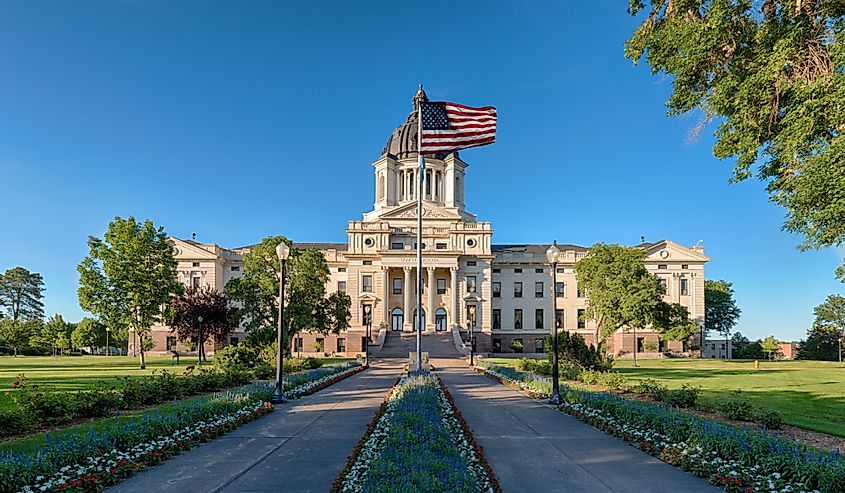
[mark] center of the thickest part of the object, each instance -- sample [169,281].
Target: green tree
[822,344]
[720,311]
[306,304]
[770,345]
[771,73]
[738,344]
[822,341]
[21,292]
[673,323]
[128,276]
[210,305]
[50,332]
[18,334]
[88,333]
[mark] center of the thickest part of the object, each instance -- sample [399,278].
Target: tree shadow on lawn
[687,373]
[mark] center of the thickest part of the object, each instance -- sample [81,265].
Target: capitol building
[500,292]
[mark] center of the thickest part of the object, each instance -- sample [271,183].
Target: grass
[84,372]
[809,394]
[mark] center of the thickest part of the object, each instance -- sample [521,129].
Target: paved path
[533,447]
[302,446]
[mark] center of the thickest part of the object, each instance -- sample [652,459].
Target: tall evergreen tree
[822,341]
[21,294]
[720,311]
[129,276]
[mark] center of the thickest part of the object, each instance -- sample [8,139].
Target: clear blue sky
[237,120]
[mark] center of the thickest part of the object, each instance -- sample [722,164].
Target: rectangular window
[517,290]
[560,319]
[517,271]
[538,346]
[664,284]
[367,283]
[195,282]
[538,290]
[497,319]
[196,264]
[397,246]
[582,322]
[415,246]
[497,290]
[560,290]
[497,271]
[539,271]
[368,262]
[685,266]
[170,343]
[662,266]
[560,271]
[297,344]
[235,268]
[471,284]
[580,292]
[341,269]
[441,286]
[497,345]
[471,263]
[538,318]
[440,246]
[397,285]
[341,344]
[341,286]
[319,345]
[684,290]
[517,319]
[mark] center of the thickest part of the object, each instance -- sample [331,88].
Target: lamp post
[108,329]
[553,255]
[470,326]
[840,350]
[199,340]
[283,252]
[368,321]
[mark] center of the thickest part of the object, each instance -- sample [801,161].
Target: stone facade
[501,292]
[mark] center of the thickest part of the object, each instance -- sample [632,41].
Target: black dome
[402,144]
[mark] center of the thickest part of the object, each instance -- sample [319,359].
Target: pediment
[409,211]
[669,251]
[187,250]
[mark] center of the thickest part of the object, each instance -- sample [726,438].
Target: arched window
[458,190]
[397,318]
[428,184]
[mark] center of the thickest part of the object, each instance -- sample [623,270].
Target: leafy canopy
[771,73]
[822,341]
[129,276]
[306,305]
[208,303]
[88,333]
[21,292]
[720,311]
[770,345]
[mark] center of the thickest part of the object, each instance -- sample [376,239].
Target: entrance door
[397,319]
[422,325]
[440,320]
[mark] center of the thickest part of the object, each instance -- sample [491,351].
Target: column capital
[430,268]
[453,269]
[407,269]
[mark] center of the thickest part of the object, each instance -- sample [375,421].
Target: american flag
[453,126]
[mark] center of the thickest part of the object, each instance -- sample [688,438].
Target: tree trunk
[141,354]
[16,350]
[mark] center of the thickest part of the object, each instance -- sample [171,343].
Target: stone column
[406,291]
[455,296]
[432,290]
[385,308]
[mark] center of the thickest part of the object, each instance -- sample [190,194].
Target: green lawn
[809,394]
[76,372]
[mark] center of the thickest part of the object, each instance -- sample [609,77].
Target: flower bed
[736,459]
[417,441]
[91,459]
[307,382]
[535,386]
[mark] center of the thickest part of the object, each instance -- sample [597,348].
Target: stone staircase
[399,344]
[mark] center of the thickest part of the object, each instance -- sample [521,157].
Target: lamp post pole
[368,319]
[840,350]
[108,329]
[553,255]
[470,323]
[282,251]
[199,340]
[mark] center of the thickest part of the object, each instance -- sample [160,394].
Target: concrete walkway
[533,447]
[302,446]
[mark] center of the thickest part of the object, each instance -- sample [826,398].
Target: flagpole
[419,236]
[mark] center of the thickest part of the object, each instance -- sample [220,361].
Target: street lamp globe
[283,251]
[553,253]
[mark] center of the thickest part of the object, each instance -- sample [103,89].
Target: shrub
[42,408]
[650,346]
[683,397]
[573,348]
[236,356]
[736,406]
[94,403]
[651,388]
[263,371]
[293,365]
[569,370]
[516,345]
[541,367]
[768,418]
[609,379]
[12,422]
